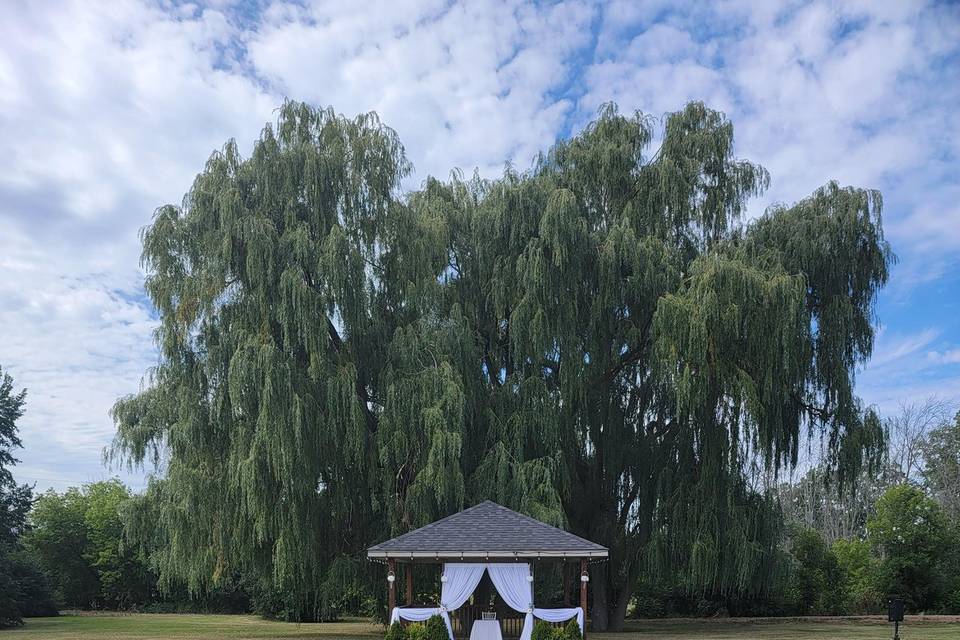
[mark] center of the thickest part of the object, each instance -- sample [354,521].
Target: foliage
[572,631]
[909,532]
[559,633]
[436,628]
[816,579]
[416,631]
[817,500]
[25,583]
[395,632]
[859,569]
[78,538]
[542,630]
[600,342]
[941,469]
[24,590]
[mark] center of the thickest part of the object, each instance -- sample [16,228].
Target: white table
[486,630]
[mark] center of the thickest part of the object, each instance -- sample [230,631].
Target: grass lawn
[216,627]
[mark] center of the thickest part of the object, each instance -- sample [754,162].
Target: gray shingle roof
[487,530]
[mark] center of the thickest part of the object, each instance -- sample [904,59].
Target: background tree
[911,535]
[860,573]
[837,512]
[941,469]
[816,583]
[23,588]
[600,342]
[78,538]
[909,429]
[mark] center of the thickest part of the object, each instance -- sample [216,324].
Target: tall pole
[583,594]
[392,593]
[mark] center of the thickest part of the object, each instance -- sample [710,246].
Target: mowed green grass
[217,627]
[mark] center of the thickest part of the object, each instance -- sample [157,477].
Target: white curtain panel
[460,581]
[560,615]
[512,583]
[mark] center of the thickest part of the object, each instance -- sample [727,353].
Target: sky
[109,109]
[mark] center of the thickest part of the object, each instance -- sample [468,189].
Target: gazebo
[485,540]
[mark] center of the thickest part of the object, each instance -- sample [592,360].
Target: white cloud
[464,85]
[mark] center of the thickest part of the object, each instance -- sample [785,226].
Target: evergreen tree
[601,342]
[24,590]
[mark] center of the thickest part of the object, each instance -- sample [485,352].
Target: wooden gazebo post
[392,593]
[583,594]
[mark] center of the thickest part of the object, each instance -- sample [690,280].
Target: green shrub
[416,631]
[572,630]
[396,632]
[542,631]
[559,633]
[436,629]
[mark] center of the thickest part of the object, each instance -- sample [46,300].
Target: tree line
[844,551]
[601,341]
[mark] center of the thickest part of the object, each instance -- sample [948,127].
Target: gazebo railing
[511,622]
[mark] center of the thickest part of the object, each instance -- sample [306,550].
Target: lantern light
[391,578]
[584,578]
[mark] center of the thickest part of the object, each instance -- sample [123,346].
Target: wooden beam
[392,590]
[583,595]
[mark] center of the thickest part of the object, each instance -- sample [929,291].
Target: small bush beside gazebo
[493,541]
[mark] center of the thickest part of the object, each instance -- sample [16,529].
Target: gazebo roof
[486,531]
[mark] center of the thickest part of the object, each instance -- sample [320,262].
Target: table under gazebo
[491,545]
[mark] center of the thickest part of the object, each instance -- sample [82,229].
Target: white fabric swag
[414,614]
[560,615]
[511,581]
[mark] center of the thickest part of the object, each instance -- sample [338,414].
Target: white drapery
[414,614]
[511,581]
[460,581]
[560,615]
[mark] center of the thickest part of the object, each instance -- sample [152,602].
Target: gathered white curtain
[460,581]
[511,581]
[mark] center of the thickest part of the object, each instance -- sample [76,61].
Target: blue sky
[107,110]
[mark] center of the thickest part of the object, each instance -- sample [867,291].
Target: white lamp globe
[584,578]
[391,577]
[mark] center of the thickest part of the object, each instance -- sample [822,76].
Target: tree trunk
[600,619]
[611,595]
[619,612]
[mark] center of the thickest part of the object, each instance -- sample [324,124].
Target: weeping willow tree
[600,341]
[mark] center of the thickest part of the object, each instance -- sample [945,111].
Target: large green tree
[24,590]
[78,538]
[912,537]
[600,341]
